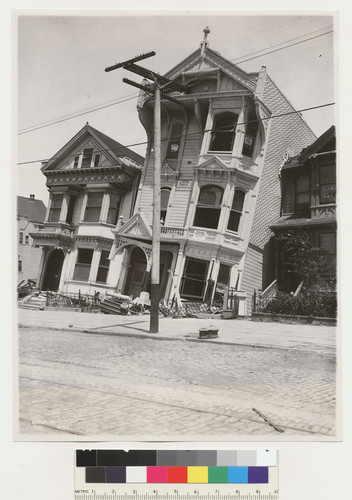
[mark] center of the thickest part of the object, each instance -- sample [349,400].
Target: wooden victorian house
[309,204]
[220,190]
[92,181]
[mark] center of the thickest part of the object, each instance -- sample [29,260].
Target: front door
[136,274]
[53,270]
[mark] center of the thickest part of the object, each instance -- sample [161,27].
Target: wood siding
[252,274]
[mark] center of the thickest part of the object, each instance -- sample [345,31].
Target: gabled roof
[33,209]
[316,147]
[212,59]
[111,147]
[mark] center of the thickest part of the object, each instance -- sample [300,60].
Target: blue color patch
[238,475]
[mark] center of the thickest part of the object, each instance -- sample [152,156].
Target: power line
[297,112]
[113,103]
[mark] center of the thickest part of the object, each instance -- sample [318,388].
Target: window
[75,162]
[327,245]
[236,210]
[174,141]
[327,184]
[114,208]
[223,133]
[21,238]
[103,268]
[250,136]
[93,208]
[71,209]
[208,207]
[194,278]
[27,239]
[87,157]
[55,207]
[96,160]
[84,261]
[302,200]
[164,201]
[19,266]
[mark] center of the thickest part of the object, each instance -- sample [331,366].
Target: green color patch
[217,475]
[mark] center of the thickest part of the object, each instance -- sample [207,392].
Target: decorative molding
[90,176]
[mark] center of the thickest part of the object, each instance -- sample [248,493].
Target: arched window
[223,133]
[208,207]
[236,210]
[164,201]
[174,141]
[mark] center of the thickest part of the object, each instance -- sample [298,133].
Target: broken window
[114,208]
[87,157]
[208,207]
[194,278]
[223,133]
[236,210]
[327,184]
[93,208]
[174,141]
[250,136]
[103,268]
[84,261]
[55,207]
[164,201]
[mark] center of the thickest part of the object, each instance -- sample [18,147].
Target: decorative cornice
[90,176]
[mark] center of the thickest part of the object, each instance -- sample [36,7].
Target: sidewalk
[310,338]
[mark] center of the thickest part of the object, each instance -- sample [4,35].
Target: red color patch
[177,474]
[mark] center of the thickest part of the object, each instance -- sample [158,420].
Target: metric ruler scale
[176,475]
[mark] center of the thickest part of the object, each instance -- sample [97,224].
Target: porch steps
[35,301]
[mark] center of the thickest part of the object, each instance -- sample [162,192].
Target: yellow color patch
[197,474]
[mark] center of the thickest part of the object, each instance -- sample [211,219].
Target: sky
[61,61]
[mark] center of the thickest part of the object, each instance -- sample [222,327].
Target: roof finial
[204,43]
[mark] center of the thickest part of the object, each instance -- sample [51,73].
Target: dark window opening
[224,275]
[27,239]
[174,141]
[96,160]
[164,201]
[223,133]
[75,162]
[194,279]
[71,209]
[327,245]
[114,208]
[93,208]
[19,266]
[21,238]
[84,261]
[250,136]
[103,268]
[87,157]
[55,207]
[208,207]
[236,211]
[327,184]
[302,199]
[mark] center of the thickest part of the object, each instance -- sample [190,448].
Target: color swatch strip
[177,474]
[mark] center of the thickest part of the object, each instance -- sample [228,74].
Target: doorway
[53,270]
[136,274]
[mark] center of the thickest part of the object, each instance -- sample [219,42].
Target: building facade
[92,181]
[220,187]
[309,203]
[30,216]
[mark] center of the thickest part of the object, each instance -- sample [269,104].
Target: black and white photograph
[177,231]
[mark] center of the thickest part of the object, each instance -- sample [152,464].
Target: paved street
[75,384]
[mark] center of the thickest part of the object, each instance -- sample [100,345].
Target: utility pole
[158,89]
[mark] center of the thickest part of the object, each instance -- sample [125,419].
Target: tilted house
[220,188]
[92,181]
[309,202]
[30,216]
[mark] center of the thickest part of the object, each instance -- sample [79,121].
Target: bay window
[208,207]
[236,210]
[223,132]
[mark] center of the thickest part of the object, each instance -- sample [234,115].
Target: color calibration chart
[176,475]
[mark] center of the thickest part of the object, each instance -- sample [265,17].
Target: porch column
[124,270]
[176,281]
[42,265]
[63,276]
[94,265]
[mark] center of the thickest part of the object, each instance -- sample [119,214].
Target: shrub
[307,303]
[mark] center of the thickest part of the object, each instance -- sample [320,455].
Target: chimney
[31,196]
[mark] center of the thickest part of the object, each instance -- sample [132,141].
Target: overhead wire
[123,147]
[112,103]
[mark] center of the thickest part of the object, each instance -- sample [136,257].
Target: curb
[178,339]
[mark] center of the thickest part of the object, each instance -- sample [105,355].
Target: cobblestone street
[74,384]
